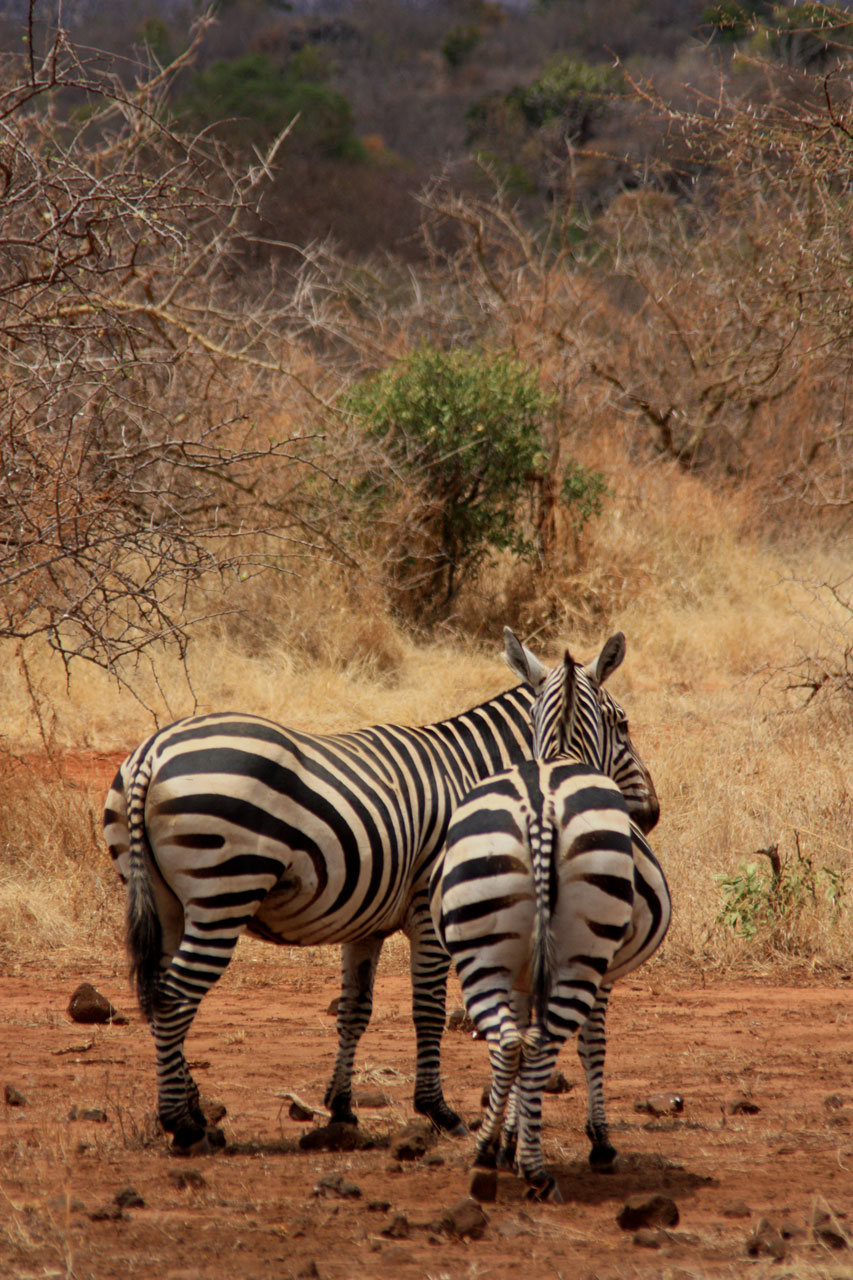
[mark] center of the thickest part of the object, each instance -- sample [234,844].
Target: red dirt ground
[253,1211]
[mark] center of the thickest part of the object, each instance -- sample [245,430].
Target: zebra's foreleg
[591,1051]
[430,964]
[358,970]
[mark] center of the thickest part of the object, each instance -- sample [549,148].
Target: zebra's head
[573,714]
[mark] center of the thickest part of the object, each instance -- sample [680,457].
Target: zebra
[546,894]
[228,823]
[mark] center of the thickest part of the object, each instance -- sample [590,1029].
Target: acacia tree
[128,350]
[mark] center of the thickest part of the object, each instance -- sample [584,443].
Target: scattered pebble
[742,1106]
[335,1184]
[736,1209]
[370,1098]
[661,1104]
[412,1142]
[336,1136]
[465,1219]
[459,1020]
[129,1198]
[88,1005]
[557,1083]
[184,1178]
[88,1113]
[398,1227]
[766,1242]
[647,1211]
[13,1097]
[107,1213]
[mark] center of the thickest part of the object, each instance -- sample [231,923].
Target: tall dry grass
[713,616]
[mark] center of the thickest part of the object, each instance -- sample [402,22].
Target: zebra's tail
[144,931]
[542,843]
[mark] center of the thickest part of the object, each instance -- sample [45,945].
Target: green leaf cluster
[465,432]
[252,99]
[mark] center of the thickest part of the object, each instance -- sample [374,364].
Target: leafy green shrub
[461,440]
[459,43]
[757,904]
[569,92]
[254,100]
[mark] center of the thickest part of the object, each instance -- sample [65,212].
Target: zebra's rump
[321,838]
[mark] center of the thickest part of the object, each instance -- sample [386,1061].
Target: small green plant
[583,492]
[772,904]
[459,43]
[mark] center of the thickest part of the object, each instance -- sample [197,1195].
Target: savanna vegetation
[331,344]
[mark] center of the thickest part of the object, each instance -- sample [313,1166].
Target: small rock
[184,1178]
[483,1185]
[557,1083]
[88,1113]
[379,1206]
[309,1271]
[398,1227]
[464,1219]
[332,1010]
[459,1020]
[411,1142]
[647,1211]
[13,1097]
[661,1104]
[742,1106]
[434,1160]
[62,1204]
[828,1231]
[88,1005]
[129,1198]
[650,1237]
[736,1209]
[336,1136]
[833,1101]
[107,1213]
[334,1184]
[765,1242]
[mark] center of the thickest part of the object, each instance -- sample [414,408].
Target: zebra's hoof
[546,1192]
[190,1140]
[602,1157]
[444,1119]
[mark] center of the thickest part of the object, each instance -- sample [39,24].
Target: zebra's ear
[611,656]
[522,662]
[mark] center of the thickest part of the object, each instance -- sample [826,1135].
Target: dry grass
[712,616]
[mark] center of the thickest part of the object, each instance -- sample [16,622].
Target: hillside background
[336,337]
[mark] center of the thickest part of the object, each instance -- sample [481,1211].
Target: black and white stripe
[227,823]
[547,892]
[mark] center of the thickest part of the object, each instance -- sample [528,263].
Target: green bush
[459,43]
[461,442]
[252,100]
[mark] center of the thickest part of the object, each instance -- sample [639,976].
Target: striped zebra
[546,894]
[227,823]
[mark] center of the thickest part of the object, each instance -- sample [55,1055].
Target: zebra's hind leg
[192,971]
[591,1051]
[430,964]
[358,970]
[504,1055]
[536,1065]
